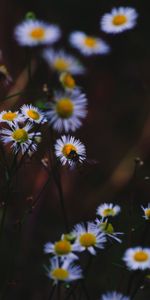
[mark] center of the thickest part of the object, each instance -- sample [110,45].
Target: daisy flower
[67,80]
[114,296]
[119,20]
[62,248]
[67,110]
[21,138]
[108,210]
[137,258]
[60,62]
[34,32]
[146,212]
[64,271]
[33,114]
[69,150]
[108,229]
[88,238]
[10,117]
[88,45]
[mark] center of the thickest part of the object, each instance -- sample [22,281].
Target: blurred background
[116,131]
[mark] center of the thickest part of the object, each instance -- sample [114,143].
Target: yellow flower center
[20,135]
[9,116]
[90,42]
[107,227]
[68,149]
[38,33]
[141,256]
[147,212]
[33,114]
[87,239]
[119,20]
[60,274]
[64,108]
[108,212]
[62,247]
[61,64]
[68,81]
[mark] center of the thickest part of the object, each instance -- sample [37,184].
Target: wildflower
[146,212]
[137,258]
[33,114]
[62,248]
[64,271]
[67,81]
[114,296]
[10,117]
[108,229]
[88,45]
[119,20]
[88,238]
[60,62]
[69,150]
[34,32]
[21,138]
[108,210]
[67,110]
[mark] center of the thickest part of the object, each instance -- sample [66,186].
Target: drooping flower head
[137,258]
[119,20]
[146,212]
[88,45]
[64,271]
[88,238]
[69,150]
[67,110]
[67,81]
[60,62]
[107,228]
[32,32]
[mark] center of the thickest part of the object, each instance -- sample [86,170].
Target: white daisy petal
[114,296]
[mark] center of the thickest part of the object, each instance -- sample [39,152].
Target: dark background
[116,131]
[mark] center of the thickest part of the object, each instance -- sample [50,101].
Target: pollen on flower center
[67,150]
[62,247]
[90,42]
[60,274]
[64,108]
[33,114]
[141,256]
[147,213]
[108,212]
[38,33]
[9,116]
[61,64]
[119,20]
[20,135]
[87,239]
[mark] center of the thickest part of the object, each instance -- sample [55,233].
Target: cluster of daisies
[22,128]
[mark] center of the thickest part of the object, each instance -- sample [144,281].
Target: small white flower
[108,229]
[69,150]
[34,32]
[10,117]
[62,248]
[88,238]
[114,296]
[119,20]
[60,62]
[67,81]
[88,45]
[33,114]
[108,210]
[21,138]
[146,212]
[64,271]
[67,110]
[137,258]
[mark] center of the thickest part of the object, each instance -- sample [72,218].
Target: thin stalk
[52,292]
